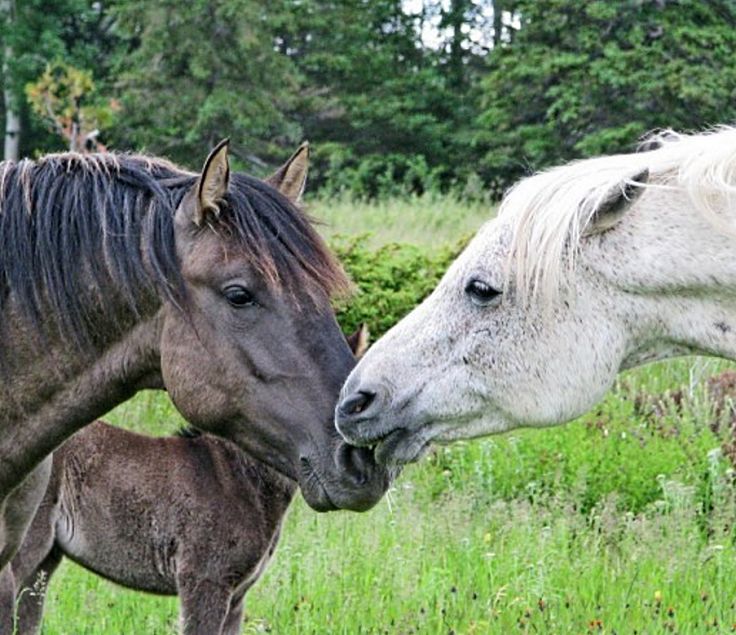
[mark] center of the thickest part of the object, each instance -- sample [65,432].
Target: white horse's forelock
[550,211]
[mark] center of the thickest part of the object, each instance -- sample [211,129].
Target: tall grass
[620,522]
[423,220]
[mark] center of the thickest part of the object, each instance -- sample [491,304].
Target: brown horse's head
[254,352]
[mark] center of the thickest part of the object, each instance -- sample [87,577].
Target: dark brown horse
[191,515]
[124,272]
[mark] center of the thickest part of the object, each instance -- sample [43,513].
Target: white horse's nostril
[356,403]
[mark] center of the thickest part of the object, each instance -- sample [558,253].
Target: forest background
[396,96]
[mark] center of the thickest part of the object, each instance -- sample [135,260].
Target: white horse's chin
[479,425]
[408,446]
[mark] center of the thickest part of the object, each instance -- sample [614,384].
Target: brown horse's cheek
[184,363]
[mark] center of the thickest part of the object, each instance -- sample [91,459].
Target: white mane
[550,210]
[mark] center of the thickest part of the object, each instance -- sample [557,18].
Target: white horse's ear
[291,178]
[616,203]
[213,183]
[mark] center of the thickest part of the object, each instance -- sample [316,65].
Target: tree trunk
[12,116]
[497,23]
[454,18]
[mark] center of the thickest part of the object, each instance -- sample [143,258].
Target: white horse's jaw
[653,353]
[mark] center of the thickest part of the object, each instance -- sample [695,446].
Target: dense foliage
[396,95]
[390,281]
[584,78]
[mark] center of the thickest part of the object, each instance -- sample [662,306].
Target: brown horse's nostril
[357,402]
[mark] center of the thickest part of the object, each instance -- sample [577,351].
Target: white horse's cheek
[543,376]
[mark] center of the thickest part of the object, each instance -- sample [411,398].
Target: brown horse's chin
[316,495]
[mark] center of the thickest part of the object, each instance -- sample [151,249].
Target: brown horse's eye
[481,293]
[238,296]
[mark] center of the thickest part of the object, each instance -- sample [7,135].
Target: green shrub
[390,280]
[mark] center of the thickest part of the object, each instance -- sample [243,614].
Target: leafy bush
[390,280]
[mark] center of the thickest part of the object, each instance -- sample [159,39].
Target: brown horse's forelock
[281,242]
[70,225]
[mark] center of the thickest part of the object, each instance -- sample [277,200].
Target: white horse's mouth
[402,446]
[405,445]
[408,445]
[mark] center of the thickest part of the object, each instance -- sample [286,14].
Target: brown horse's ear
[291,178]
[616,203]
[359,340]
[213,183]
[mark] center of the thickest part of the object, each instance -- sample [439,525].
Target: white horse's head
[589,268]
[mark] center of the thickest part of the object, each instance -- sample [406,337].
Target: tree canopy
[395,95]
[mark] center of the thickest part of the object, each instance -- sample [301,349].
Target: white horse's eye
[481,293]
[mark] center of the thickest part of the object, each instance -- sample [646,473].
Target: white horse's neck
[672,271]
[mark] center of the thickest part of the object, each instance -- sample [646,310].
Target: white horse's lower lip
[401,446]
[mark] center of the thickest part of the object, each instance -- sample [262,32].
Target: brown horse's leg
[204,606]
[234,619]
[35,561]
[16,514]
[31,597]
[18,510]
[7,601]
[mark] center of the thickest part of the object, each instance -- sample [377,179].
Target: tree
[380,101]
[203,70]
[583,77]
[10,99]
[65,98]
[79,31]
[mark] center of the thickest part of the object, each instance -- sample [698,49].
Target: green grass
[620,522]
[422,220]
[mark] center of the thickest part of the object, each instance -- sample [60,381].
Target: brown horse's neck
[46,398]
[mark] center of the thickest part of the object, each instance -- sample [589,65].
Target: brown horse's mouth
[355,482]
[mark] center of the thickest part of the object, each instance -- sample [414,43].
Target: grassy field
[424,220]
[621,522]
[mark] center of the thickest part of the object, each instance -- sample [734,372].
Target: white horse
[590,268]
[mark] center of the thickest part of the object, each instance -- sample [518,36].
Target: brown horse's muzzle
[349,479]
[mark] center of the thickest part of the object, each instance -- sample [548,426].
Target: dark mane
[71,225]
[188,432]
